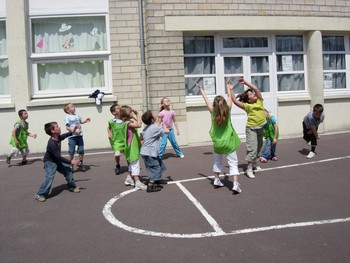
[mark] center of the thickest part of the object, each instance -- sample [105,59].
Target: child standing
[310,126]
[151,135]
[167,117]
[19,137]
[251,102]
[54,161]
[270,130]
[116,135]
[132,146]
[224,137]
[73,123]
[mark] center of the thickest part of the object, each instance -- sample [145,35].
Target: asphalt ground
[295,210]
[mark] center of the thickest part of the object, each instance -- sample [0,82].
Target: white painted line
[201,209]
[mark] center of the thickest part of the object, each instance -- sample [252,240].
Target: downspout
[143,63]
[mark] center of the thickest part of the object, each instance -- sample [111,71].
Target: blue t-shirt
[74,120]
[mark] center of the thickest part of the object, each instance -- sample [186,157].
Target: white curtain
[4,70]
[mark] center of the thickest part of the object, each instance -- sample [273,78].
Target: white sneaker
[250,173]
[140,186]
[182,156]
[129,181]
[217,183]
[308,143]
[236,188]
[257,168]
[311,155]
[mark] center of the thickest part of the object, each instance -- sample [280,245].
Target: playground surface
[295,210]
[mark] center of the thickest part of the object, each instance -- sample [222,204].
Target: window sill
[6,105]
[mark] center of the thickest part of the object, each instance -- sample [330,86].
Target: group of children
[123,136]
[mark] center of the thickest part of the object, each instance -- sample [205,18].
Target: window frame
[4,57]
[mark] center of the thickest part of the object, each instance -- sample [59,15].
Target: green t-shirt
[225,138]
[132,151]
[255,113]
[21,134]
[118,134]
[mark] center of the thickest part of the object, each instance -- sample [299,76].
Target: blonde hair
[221,110]
[66,106]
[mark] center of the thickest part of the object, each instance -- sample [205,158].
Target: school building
[138,51]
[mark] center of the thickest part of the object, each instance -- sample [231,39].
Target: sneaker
[311,155]
[308,143]
[40,198]
[236,188]
[24,162]
[250,173]
[161,182]
[117,169]
[81,166]
[262,160]
[129,181]
[153,188]
[274,158]
[217,183]
[8,160]
[140,186]
[74,190]
[182,156]
[257,168]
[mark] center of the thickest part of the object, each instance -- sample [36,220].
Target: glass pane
[238,87]
[290,82]
[333,43]
[245,42]
[199,65]
[290,62]
[259,64]
[333,61]
[208,84]
[71,75]
[289,43]
[334,81]
[233,65]
[68,34]
[4,77]
[262,82]
[198,44]
[3,41]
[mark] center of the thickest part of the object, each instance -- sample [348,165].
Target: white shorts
[134,168]
[15,151]
[232,161]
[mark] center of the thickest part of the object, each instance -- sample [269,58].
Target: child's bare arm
[137,118]
[230,87]
[275,134]
[14,135]
[176,126]
[166,129]
[205,97]
[109,132]
[86,120]
[252,87]
[314,131]
[33,135]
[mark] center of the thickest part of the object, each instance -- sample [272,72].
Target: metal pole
[143,63]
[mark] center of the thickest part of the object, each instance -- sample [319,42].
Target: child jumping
[54,161]
[19,137]
[155,167]
[116,135]
[167,117]
[251,102]
[73,123]
[310,126]
[132,121]
[224,137]
[270,130]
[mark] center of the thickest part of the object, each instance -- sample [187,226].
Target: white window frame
[4,57]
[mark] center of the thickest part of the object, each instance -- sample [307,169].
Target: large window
[290,62]
[334,68]
[70,55]
[4,68]
[199,64]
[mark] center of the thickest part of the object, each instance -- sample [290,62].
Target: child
[116,135]
[310,126]
[224,137]
[270,130]
[167,117]
[132,146]
[54,161]
[73,123]
[151,135]
[19,137]
[251,102]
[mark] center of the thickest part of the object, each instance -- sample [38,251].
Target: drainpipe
[143,63]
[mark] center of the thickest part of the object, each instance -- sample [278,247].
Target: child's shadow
[168,155]
[304,151]
[29,162]
[227,183]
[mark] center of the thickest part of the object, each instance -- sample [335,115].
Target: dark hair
[20,112]
[48,127]
[125,112]
[161,103]
[112,108]
[318,107]
[244,96]
[147,117]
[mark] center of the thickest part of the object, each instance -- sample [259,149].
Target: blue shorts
[75,141]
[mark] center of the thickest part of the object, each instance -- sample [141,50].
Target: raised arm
[252,87]
[232,96]
[207,102]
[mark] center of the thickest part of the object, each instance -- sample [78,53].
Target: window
[290,62]
[70,55]
[334,69]
[4,68]
[199,65]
